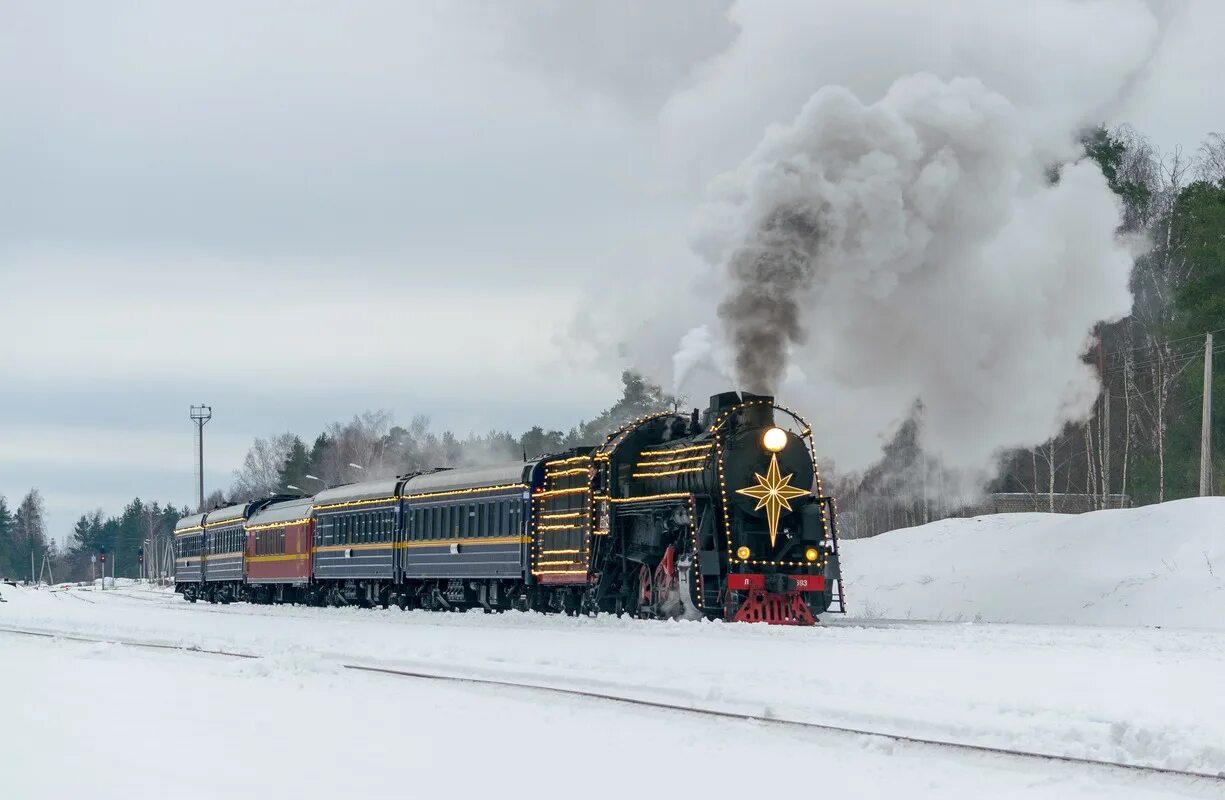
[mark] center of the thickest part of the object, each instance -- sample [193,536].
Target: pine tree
[296,467]
[7,544]
[29,532]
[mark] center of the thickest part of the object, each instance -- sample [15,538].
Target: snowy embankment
[1160,565]
[1133,695]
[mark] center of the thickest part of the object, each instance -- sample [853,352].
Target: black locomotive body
[717,514]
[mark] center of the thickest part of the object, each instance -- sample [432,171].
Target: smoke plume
[918,250]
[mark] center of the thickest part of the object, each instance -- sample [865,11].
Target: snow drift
[1160,565]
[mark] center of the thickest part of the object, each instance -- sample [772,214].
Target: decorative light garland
[560,492]
[354,503]
[666,473]
[675,451]
[572,460]
[565,472]
[270,525]
[457,492]
[646,498]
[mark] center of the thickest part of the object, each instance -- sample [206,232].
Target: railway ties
[1187,778]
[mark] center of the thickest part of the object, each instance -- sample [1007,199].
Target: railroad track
[659,705]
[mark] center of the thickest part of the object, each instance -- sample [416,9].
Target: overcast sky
[298,211]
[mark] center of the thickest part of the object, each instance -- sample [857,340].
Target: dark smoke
[769,278]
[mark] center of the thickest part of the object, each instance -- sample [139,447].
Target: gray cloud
[470,191]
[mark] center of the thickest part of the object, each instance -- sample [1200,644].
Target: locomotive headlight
[743,553]
[774,439]
[811,554]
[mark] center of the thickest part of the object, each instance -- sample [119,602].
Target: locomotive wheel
[646,593]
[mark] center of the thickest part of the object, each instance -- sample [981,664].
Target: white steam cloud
[914,251]
[898,244]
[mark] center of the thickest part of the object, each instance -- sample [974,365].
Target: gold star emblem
[773,492]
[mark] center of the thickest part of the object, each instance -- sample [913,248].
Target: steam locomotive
[717,514]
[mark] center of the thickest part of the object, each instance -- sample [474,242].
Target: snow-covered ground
[1115,690]
[1161,565]
[91,722]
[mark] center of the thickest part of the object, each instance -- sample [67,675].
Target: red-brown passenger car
[278,551]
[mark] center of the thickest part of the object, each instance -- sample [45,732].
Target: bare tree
[1212,158]
[260,473]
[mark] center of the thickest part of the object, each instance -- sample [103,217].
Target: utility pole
[200,414]
[1205,442]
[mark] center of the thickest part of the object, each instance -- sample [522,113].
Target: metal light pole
[1205,442]
[200,414]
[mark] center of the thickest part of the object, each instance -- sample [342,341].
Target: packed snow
[1160,565]
[295,726]
[1113,686]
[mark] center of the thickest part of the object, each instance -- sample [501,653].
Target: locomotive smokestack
[760,415]
[755,415]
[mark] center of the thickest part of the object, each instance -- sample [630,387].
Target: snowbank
[1160,565]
